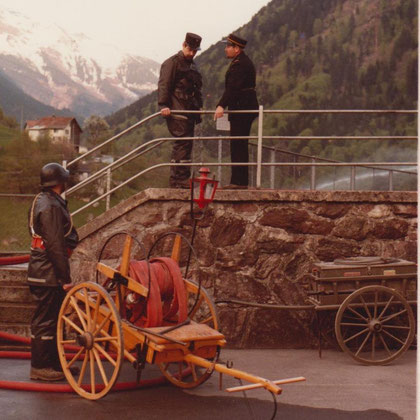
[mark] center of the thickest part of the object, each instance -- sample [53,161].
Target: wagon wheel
[88,318]
[375,325]
[202,311]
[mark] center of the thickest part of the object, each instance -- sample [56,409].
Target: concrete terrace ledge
[255,195]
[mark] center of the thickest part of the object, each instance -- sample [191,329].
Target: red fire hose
[43,387]
[17,259]
[15,338]
[167,296]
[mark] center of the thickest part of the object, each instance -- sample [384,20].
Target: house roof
[50,122]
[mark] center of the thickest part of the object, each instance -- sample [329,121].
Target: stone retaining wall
[257,245]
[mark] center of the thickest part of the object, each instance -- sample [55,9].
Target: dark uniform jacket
[240,86]
[50,220]
[179,87]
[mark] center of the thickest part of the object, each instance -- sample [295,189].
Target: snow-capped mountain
[71,70]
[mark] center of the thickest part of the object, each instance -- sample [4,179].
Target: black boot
[46,374]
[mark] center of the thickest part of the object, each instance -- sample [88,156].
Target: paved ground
[336,389]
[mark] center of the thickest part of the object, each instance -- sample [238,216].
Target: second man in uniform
[239,94]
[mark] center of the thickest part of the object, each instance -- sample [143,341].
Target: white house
[56,128]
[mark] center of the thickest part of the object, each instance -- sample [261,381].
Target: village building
[58,129]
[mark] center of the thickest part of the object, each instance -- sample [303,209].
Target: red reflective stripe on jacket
[39,243]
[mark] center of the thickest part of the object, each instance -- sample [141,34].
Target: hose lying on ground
[47,387]
[17,259]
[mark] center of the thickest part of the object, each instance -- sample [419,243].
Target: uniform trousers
[239,126]
[44,326]
[181,153]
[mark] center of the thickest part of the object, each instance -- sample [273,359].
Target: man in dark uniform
[53,239]
[179,88]
[239,94]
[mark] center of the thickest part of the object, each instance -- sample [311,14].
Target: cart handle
[254,386]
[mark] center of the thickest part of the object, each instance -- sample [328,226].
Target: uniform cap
[193,41]
[235,40]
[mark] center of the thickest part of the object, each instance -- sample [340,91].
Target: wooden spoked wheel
[375,325]
[182,373]
[201,310]
[89,319]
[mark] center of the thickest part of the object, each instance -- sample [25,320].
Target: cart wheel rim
[89,319]
[375,325]
[202,311]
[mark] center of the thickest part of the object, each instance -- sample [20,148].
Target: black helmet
[53,174]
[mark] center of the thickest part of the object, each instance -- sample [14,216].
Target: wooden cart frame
[90,324]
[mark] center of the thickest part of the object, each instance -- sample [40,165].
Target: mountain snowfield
[71,70]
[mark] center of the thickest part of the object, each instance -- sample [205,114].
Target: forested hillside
[16,103]
[321,54]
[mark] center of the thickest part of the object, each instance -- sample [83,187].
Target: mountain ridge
[14,102]
[71,71]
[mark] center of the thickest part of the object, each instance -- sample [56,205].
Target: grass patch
[14,233]
[7,135]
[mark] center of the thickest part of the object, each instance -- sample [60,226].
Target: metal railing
[314,159]
[258,164]
[265,166]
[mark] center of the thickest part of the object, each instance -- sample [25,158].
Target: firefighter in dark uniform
[239,94]
[179,88]
[53,239]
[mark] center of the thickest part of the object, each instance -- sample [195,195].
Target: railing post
[352,178]
[391,180]
[272,168]
[313,175]
[259,147]
[252,168]
[64,165]
[219,159]
[108,187]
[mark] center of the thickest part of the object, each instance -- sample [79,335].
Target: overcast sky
[152,28]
